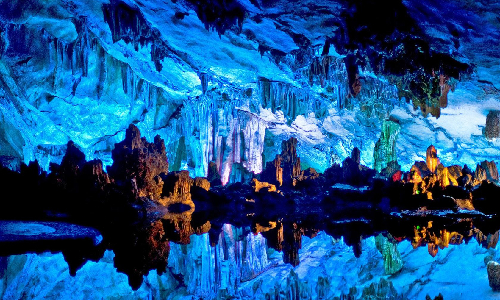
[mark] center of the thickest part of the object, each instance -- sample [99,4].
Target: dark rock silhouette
[138,164]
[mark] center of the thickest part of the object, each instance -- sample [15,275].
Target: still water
[178,257]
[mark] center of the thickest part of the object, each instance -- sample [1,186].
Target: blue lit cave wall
[227,81]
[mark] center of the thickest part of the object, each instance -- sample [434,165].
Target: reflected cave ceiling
[226,81]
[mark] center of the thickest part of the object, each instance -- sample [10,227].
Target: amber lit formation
[431,159]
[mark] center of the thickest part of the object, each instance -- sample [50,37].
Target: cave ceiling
[199,73]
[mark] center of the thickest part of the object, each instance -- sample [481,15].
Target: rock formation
[494,275]
[492,128]
[285,167]
[71,166]
[93,175]
[431,159]
[290,162]
[258,186]
[213,175]
[392,168]
[139,164]
[385,148]
[384,289]
[273,173]
[446,177]
[393,262]
[177,188]
[487,170]
[292,242]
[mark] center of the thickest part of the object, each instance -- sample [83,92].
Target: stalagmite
[385,148]
[431,159]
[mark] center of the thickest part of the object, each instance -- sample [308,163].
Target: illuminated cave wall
[227,81]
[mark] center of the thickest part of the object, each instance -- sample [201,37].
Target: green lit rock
[393,262]
[385,147]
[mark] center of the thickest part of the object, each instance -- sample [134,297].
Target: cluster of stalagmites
[140,171]
[431,175]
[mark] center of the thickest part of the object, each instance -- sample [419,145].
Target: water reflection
[145,244]
[198,252]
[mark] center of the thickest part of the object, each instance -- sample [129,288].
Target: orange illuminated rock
[259,185]
[464,204]
[445,177]
[306,177]
[179,226]
[93,175]
[486,240]
[432,249]
[290,161]
[202,182]
[415,175]
[431,159]
[138,163]
[177,189]
[264,228]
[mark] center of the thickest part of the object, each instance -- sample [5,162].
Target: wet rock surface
[493,275]
[492,129]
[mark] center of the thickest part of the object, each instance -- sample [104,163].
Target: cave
[249,149]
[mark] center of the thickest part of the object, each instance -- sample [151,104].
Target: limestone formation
[177,188]
[393,262]
[273,172]
[384,289]
[432,159]
[351,171]
[356,155]
[285,167]
[71,165]
[494,275]
[202,182]
[479,175]
[213,175]
[492,128]
[487,170]
[392,168]
[292,242]
[93,175]
[290,161]
[438,297]
[445,177]
[491,170]
[258,186]
[308,176]
[385,148]
[138,162]
[418,172]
